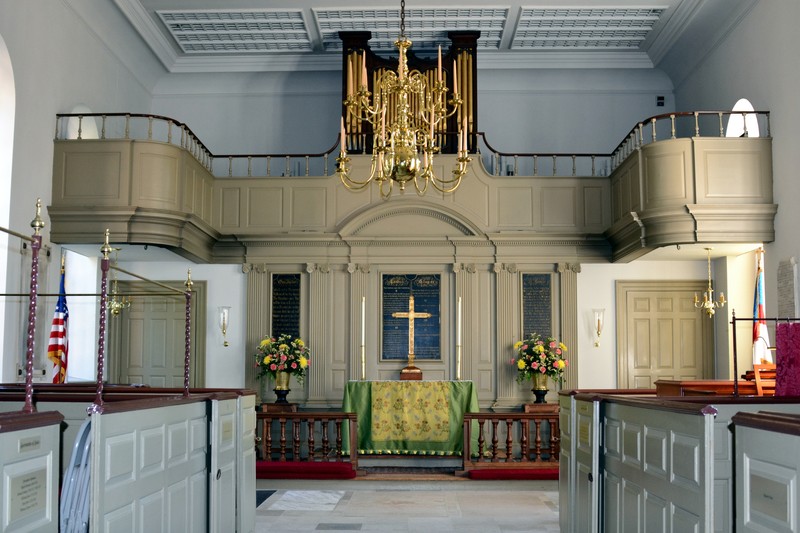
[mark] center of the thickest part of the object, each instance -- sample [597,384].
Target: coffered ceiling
[253,35]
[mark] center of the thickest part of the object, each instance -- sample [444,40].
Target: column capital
[569,267]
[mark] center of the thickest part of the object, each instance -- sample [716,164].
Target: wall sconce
[224,316]
[599,315]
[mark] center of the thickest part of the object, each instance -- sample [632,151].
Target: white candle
[343,147]
[363,319]
[458,323]
[455,79]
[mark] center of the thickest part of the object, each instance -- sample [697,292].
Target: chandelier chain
[402,18]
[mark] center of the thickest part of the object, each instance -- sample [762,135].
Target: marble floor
[426,506]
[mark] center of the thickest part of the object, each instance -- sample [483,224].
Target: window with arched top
[740,122]
[85,126]
[7,107]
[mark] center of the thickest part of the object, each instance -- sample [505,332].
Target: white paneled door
[661,334]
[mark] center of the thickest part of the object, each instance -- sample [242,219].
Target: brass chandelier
[708,305]
[405,113]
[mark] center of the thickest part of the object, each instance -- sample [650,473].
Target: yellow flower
[517,345]
[560,364]
[300,343]
[263,343]
[267,360]
[562,346]
[303,362]
[521,364]
[283,347]
[538,348]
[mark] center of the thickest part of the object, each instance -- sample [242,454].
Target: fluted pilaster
[319,335]
[359,289]
[508,324]
[569,320]
[259,298]
[464,367]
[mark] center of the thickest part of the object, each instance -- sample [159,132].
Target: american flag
[761,352]
[58,347]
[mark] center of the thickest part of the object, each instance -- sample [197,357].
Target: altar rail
[307,437]
[116,126]
[511,440]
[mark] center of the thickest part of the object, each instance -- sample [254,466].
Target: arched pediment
[408,219]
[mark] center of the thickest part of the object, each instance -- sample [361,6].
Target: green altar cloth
[410,417]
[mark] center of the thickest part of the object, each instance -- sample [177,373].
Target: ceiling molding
[159,43]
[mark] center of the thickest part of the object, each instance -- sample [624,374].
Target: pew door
[661,335]
[222,474]
[147,340]
[588,482]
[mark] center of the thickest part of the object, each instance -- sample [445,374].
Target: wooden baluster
[169,132]
[536,165]
[296,439]
[574,169]
[149,128]
[509,439]
[696,124]
[654,138]
[338,425]
[555,438]
[282,441]
[524,452]
[480,440]
[311,423]
[537,445]
[672,124]
[494,439]
[721,127]
[593,166]
[266,439]
[80,127]
[744,124]
[249,166]
[555,165]
[307,164]
[325,441]
[269,163]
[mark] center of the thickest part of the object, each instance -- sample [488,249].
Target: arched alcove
[409,219]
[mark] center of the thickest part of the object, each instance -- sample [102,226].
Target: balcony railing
[123,126]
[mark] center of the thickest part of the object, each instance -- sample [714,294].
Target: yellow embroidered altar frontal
[410,417]
[412,411]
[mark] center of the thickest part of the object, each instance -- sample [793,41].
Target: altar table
[410,417]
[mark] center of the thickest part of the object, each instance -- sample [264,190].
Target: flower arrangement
[540,355]
[284,354]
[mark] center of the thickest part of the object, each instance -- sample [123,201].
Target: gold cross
[411,315]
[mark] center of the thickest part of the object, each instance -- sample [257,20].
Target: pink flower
[294,365]
[542,369]
[273,367]
[552,344]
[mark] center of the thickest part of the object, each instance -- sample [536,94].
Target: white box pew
[580,457]
[767,469]
[230,435]
[29,458]
[589,422]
